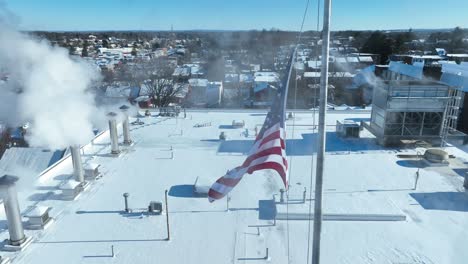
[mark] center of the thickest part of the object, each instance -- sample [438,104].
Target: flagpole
[322,134]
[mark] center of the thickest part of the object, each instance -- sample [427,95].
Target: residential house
[231,89]
[266,84]
[197,91]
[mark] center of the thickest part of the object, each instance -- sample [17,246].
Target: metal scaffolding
[451,113]
[413,110]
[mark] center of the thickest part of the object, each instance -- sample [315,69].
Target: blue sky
[234,14]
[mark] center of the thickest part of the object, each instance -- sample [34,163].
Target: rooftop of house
[198,82]
[182,71]
[331,75]
[269,77]
[360,178]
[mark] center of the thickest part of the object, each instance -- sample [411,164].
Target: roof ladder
[449,123]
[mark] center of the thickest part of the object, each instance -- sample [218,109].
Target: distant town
[292,145]
[243,69]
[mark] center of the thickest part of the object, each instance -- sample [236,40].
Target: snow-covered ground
[360,178]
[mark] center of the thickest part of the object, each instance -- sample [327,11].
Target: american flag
[267,152]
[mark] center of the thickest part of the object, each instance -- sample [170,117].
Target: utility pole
[322,134]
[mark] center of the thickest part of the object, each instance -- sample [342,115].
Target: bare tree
[156,77]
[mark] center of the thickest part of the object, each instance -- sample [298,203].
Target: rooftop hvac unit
[348,128]
[238,123]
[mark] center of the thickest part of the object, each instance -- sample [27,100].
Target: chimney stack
[125,125]
[78,171]
[114,136]
[12,211]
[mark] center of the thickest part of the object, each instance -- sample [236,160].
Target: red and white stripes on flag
[268,152]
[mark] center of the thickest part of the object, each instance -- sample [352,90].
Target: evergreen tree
[156,46]
[84,52]
[379,43]
[71,50]
[105,43]
[456,40]
[134,51]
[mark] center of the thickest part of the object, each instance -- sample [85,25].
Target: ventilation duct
[12,210]
[114,137]
[78,171]
[125,125]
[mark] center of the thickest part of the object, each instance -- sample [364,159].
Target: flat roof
[458,55]
[198,82]
[365,59]
[330,75]
[430,57]
[360,178]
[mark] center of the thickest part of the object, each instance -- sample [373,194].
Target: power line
[294,120]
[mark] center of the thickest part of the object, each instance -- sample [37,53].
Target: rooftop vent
[17,239]
[71,189]
[77,164]
[92,171]
[39,217]
[437,156]
[113,133]
[238,123]
[125,125]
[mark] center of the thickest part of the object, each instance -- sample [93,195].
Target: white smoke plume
[47,88]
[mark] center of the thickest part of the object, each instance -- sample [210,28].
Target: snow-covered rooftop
[269,77]
[365,59]
[170,154]
[28,160]
[406,69]
[314,64]
[331,75]
[198,82]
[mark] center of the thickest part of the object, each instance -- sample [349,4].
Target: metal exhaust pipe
[12,211]
[78,171]
[114,136]
[125,125]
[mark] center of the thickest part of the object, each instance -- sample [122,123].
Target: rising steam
[46,88]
